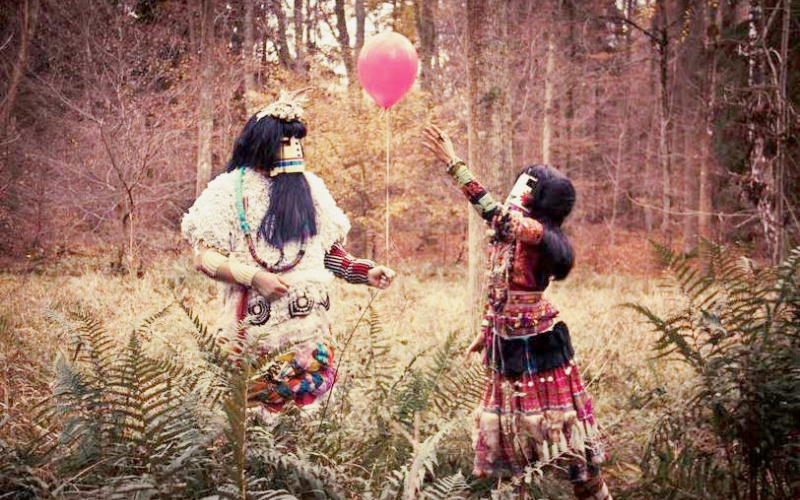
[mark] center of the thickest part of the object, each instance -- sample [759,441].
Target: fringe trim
[535,438]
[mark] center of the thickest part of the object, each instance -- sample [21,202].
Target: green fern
[738,328]
[127,416]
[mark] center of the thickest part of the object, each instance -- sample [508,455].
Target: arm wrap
[345,266]
[482,201]
[210,260]
[242,273]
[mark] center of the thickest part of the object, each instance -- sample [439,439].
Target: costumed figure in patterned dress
[273,234]
[535,407]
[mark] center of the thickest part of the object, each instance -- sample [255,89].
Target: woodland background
[676,120]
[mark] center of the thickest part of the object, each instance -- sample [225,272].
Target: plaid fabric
[522,420]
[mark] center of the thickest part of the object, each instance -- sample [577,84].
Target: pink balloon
[387,67]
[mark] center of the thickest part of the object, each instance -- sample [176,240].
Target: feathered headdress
[288,107]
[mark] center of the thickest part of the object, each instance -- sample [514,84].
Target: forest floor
[614,347]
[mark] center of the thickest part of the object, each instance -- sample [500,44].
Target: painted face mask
[291,149]
[291,160]
[520,192]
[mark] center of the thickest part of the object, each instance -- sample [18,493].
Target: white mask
[291,148]
[524,186]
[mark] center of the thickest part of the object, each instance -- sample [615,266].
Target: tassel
[490,430]
[564,448]
[577,441]
[554,453]
[555,425]
[476,425]
[534,434]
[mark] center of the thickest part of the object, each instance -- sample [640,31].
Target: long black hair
[550,202]
[291,215]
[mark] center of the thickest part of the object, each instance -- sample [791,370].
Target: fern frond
[257,494]
[462,389]
[673,333]
[737,329]
[453,487]
[423,463]
[147,324]
[206,341]
[378,362]
[426,386]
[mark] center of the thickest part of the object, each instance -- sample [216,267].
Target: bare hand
[475,346]
[269,285]
[380,277]
[438,143]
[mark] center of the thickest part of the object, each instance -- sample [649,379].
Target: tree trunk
[615,182]
[490,141]
[312,18]
[665,120]
[569,115]
[343,36]
[760,186]
[282,42]
[650,182]
[689,184]
[425,13]
[206,122]
[247,54]
[299,63]
[547,113]
[704,206]
[28,20]
[361,18]
[781,249]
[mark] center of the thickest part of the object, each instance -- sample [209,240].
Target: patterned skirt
[534,408]
[301,375]
[287,346]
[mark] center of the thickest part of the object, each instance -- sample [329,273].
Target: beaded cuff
[453,165]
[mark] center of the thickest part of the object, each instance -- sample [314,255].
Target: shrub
[737,327]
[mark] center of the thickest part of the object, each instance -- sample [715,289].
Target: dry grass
[419,311]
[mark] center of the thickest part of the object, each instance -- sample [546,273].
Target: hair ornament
[288,107]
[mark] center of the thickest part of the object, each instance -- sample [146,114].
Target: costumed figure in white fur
[272,232]
[535,407]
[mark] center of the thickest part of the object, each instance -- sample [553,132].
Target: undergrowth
[123,422]
[156,411]
[737,327]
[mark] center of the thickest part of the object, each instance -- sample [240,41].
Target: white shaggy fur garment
[213,222]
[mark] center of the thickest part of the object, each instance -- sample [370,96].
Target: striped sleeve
[343,265]
[482,201]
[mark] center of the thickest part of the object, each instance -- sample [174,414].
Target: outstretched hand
[438,143]
[380,277]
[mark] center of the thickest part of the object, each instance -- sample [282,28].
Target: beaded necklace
[277,267]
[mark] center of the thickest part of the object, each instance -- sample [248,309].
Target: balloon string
[388,137]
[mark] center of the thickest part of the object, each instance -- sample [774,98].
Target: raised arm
[440,145]
[481,199]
